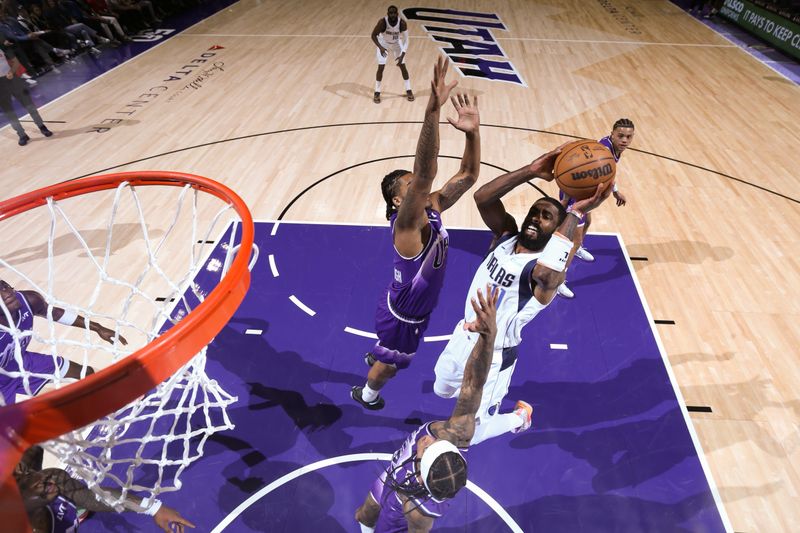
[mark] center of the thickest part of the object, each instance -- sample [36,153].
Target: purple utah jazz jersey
[63,516]
[23,324]
[606,141]
[417,281]
[392,518]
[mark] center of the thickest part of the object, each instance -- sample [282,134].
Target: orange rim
[76,405]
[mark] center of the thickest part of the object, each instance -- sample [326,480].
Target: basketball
[582,166]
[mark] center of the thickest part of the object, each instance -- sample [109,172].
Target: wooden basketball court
[713,201]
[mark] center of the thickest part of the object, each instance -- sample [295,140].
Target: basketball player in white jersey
[617,142]
[527,265]
[391,34]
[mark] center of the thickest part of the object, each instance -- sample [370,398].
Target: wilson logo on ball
[595,173]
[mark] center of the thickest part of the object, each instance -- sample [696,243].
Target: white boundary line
[272,266]
[353,458]
[296,301]
[681,402]
[437,338]
[522,39]
[360,333]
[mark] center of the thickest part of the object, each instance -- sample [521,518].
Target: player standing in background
[527,264]
[429,469]
[620,138]
[391,33]
[419,238]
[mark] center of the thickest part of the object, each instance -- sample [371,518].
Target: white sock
[369,395]
[407,84]
[494,426]
[377,86]
[365,529]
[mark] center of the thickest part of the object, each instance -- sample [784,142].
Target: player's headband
[430,455]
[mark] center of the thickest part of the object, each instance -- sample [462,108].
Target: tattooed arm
[460,427]
[40,488]
[411,224]
[469,122]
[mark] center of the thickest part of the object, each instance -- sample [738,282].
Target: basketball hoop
[174,347]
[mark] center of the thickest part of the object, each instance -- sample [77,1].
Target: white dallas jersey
[516,306]
[391,35]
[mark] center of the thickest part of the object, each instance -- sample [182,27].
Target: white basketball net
[129,284]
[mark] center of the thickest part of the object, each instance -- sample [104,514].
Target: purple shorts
[561,196]
[398,337]
[35,363]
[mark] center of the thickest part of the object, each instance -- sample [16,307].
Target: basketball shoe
[525,411]
[584,255]
[564,291]
[375,405]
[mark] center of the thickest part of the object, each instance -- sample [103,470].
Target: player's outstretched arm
[39,308]
[469,122]
[166,518]
[460,427]
[549,271]
[412,211]
[411,216]
[488,197]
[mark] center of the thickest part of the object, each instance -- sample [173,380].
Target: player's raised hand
[469,119]
[485,322]
[440,89]
[602,192]
[542,166]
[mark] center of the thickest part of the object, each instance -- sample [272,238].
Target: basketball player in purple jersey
[21,307]
[420,240]
[52,498]
[620,138]
[429,468]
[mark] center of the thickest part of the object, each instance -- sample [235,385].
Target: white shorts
[393,49]
[450,366]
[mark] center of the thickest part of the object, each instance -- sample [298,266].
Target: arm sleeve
[403,41]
